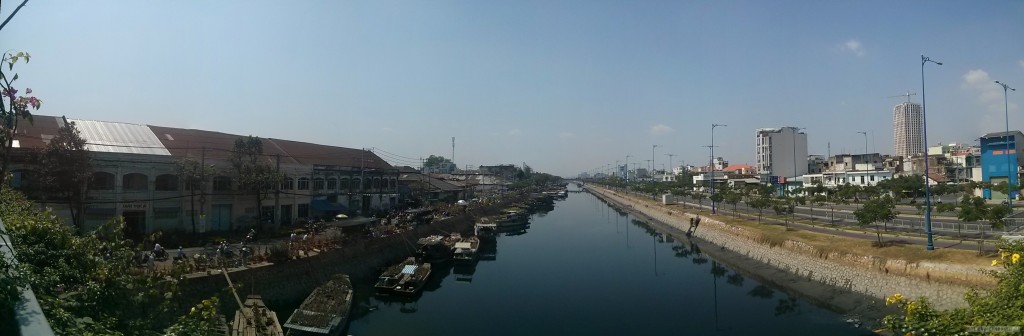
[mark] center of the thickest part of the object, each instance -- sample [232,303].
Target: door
[220,217]
[366,204]
[286,214]
[134,224]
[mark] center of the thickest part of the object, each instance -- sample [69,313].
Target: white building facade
[781,152]
[907,129]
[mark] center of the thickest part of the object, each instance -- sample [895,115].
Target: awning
[323,205]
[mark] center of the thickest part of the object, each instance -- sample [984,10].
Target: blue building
[995,166]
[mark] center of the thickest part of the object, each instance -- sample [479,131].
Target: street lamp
[795,170]
[653,158]
[865,133]
[1009,172]
[627,170]
[670,162]
[924,135]
[712,165]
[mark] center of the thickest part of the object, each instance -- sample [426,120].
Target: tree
[87,284]
[66,169]
[760,203]
[996,217]
[194,176]
[949,207]
[13,107]
[879,209]
[435,162]
[733,198]
[699,196]
[783,207]
[253,171]
[972,209]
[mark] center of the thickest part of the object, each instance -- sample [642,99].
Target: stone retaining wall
[874,277]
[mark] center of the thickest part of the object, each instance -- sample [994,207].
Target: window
[367,184]
[166,212]
[332,184]
[303,210]
[166,182]
[376,183]
[102,181]
[354,185]
[318,183]
[343,185]
[135,182]
[19,180]
[288,183]
[221,183]
[303,185]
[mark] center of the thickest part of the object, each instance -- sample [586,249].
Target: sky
[562,86]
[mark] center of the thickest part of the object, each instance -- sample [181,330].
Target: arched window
[332,184]
[303,183]
[102,181]
[343,185]
[221,183]
[354,185]
[376,183]
[288,183]
[318,183]
[367,183]
[135,182]
[166,182]
[394,184]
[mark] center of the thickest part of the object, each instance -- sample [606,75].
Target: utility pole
[653,158]
[453,153]
[202,190]
[670,161]
[277,195]
[713,164]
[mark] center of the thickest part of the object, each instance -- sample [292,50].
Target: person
[151,262]
[181,254]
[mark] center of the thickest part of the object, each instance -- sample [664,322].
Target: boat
[255,319]
[407,277]
[485,230]
[325,311]
[437,248]
[466,250]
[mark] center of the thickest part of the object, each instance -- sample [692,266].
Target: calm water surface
[582,268]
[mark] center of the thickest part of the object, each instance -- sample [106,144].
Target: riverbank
[853,284]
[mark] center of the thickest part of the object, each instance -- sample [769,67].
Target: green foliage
[435,161]
[87,284]
[14,107]
[66,169]
[203,320]
[910,186]
[999,306]
[253,170]
[194,176]
[878,209]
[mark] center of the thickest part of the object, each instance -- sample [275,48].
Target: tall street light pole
[653,158]
[927,187]
[864,157]
[1011,169]
[796,171]
[712,165]
[670,162]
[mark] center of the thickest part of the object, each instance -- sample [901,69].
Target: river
[585,268]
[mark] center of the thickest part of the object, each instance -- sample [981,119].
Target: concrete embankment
[843,282]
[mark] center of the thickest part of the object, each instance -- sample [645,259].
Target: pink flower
[34,102]
[10,93]
[28,91]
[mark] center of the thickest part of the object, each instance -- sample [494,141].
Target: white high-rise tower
[907,129]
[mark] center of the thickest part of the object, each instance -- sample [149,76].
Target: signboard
[135,206]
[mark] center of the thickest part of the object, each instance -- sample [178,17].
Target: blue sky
[565,86]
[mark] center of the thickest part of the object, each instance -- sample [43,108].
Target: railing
[28,314]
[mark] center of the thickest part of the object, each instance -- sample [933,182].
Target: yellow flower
[911,307]
[895,298]
[995,262]
[1015,258]
[1003,254]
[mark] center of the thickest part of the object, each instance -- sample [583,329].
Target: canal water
[585,268]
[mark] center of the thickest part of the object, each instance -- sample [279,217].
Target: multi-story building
[907,129]
[781,152]
[135,176]
[1000,161]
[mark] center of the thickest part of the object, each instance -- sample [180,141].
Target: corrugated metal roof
[115,137]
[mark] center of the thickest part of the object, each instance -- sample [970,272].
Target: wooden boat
[437,248]
[325,311]
[255,319]
[466,250]
[407,278]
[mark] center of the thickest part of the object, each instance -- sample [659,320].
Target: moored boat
[255,319]
[466,250]
[407,277]
[436,248]
[325,311]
